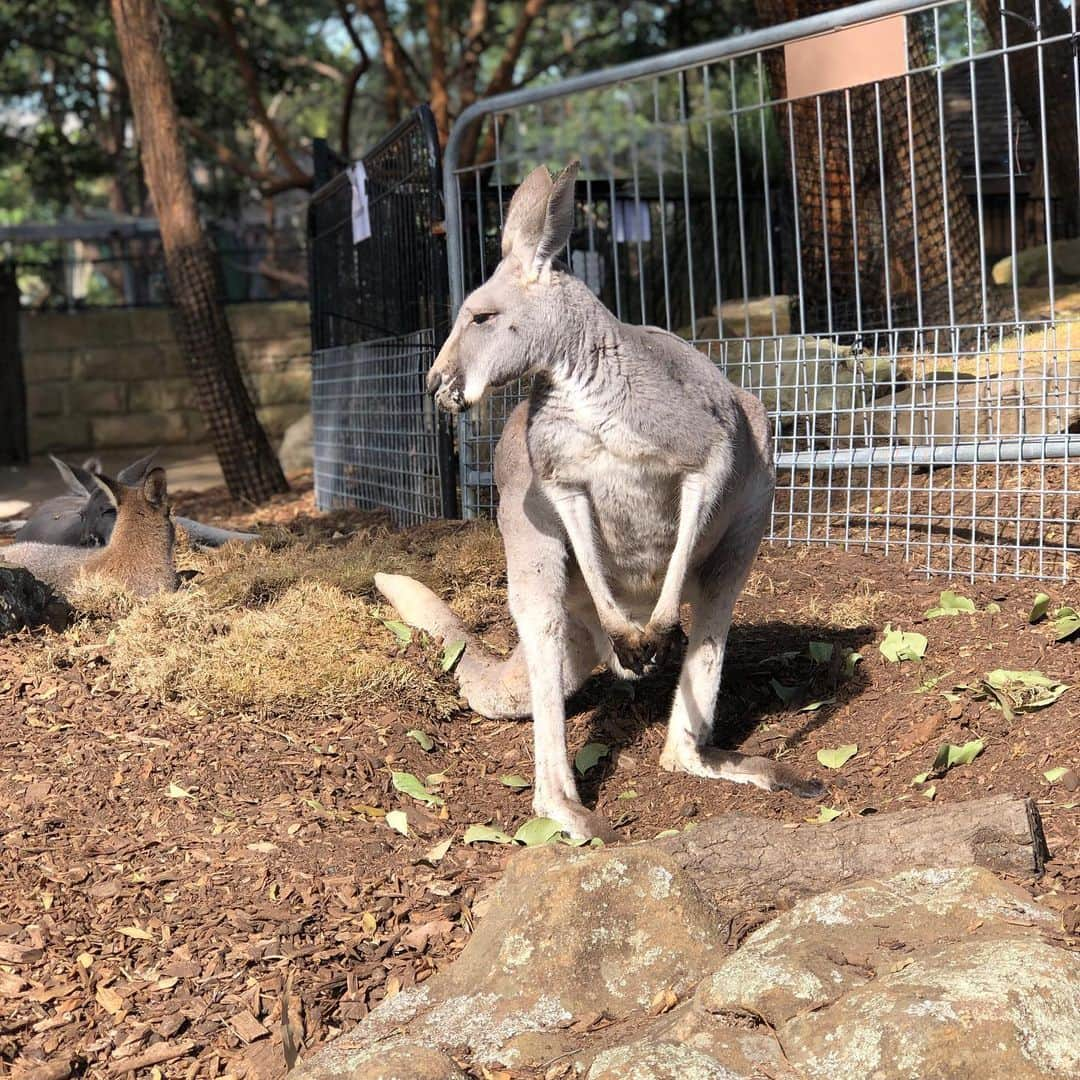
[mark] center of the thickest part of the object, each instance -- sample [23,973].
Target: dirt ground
[192,887]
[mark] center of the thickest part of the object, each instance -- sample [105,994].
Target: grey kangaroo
[636,477]
[139,554]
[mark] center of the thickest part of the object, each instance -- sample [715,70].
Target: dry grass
[295,627]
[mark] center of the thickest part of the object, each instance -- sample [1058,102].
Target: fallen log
[747,860]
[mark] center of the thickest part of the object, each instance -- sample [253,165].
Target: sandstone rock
[404,1061]
[1030,265]
[25,601]
[927,974]
[989,1008]
[837,941]
[567,933]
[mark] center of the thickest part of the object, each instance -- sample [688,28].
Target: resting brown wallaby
[139,555]
[84,517]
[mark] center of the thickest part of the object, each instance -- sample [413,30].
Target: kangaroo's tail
[494,687]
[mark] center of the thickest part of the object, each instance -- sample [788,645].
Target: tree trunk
[251,469]
[1058,87]
[841,249]
[781,864]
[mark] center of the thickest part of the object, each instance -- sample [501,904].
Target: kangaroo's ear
[108,486]
[133,474]
[155,491]
[524,224]
[558,220]
[76,484]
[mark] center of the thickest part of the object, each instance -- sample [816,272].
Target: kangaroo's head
[507,327]
[140,549]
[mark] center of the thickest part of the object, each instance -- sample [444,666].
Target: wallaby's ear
[154,489]
[134,473]
[74,484]
[109,486]
[559,219]
[524,224]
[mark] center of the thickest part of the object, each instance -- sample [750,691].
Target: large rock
[567,934]
[929,974]
[25,601]
[965,1009]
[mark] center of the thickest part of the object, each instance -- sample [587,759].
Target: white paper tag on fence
[361,222]
[632,222]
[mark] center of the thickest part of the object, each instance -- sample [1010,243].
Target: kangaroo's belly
[636,517]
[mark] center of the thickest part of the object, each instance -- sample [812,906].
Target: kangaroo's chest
[633,493]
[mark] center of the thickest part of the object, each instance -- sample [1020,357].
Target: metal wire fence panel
[375,429]
[892,266]
[379,314]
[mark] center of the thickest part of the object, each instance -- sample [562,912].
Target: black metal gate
[13,438]
[379,314]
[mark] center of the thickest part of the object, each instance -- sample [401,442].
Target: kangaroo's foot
[643,651]
[762,772]
[580,823]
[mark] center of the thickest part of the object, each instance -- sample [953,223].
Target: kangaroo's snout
[445,381]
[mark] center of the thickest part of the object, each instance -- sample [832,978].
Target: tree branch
[394,56]
[222,17]
[267,183]
[504,72]
[437,93]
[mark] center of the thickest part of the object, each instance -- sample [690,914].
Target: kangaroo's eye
[483,316]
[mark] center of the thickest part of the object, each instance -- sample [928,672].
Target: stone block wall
[116,377]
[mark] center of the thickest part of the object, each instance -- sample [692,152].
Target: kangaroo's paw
[765,773]
[580,823]
[641,652]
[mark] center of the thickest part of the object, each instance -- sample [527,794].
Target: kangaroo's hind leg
[715,587]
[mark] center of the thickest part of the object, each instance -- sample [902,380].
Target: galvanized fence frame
[379,315]
[948,436]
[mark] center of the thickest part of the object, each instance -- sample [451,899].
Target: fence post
[14,444]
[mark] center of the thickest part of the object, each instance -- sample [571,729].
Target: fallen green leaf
[589,755]
[921,778]
[898,646]
[992,608]
[851,658]
[398,820]
[1054,775]
[423,738]
[537,831]
[1039,607]
[821,651]
[409,785]
[177,792]
[666,833]
[825,814]
[485,834]
[835,758]
[1066,623]
[515,782]
[629,793]
[398,629]
[1018,690]
[950,603]
[815,705]
[785,693]
[929,791]
[452,651]
[949,755]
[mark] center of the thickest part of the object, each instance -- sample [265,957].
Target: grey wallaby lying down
[84,517]
[635,478]
[138,556]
